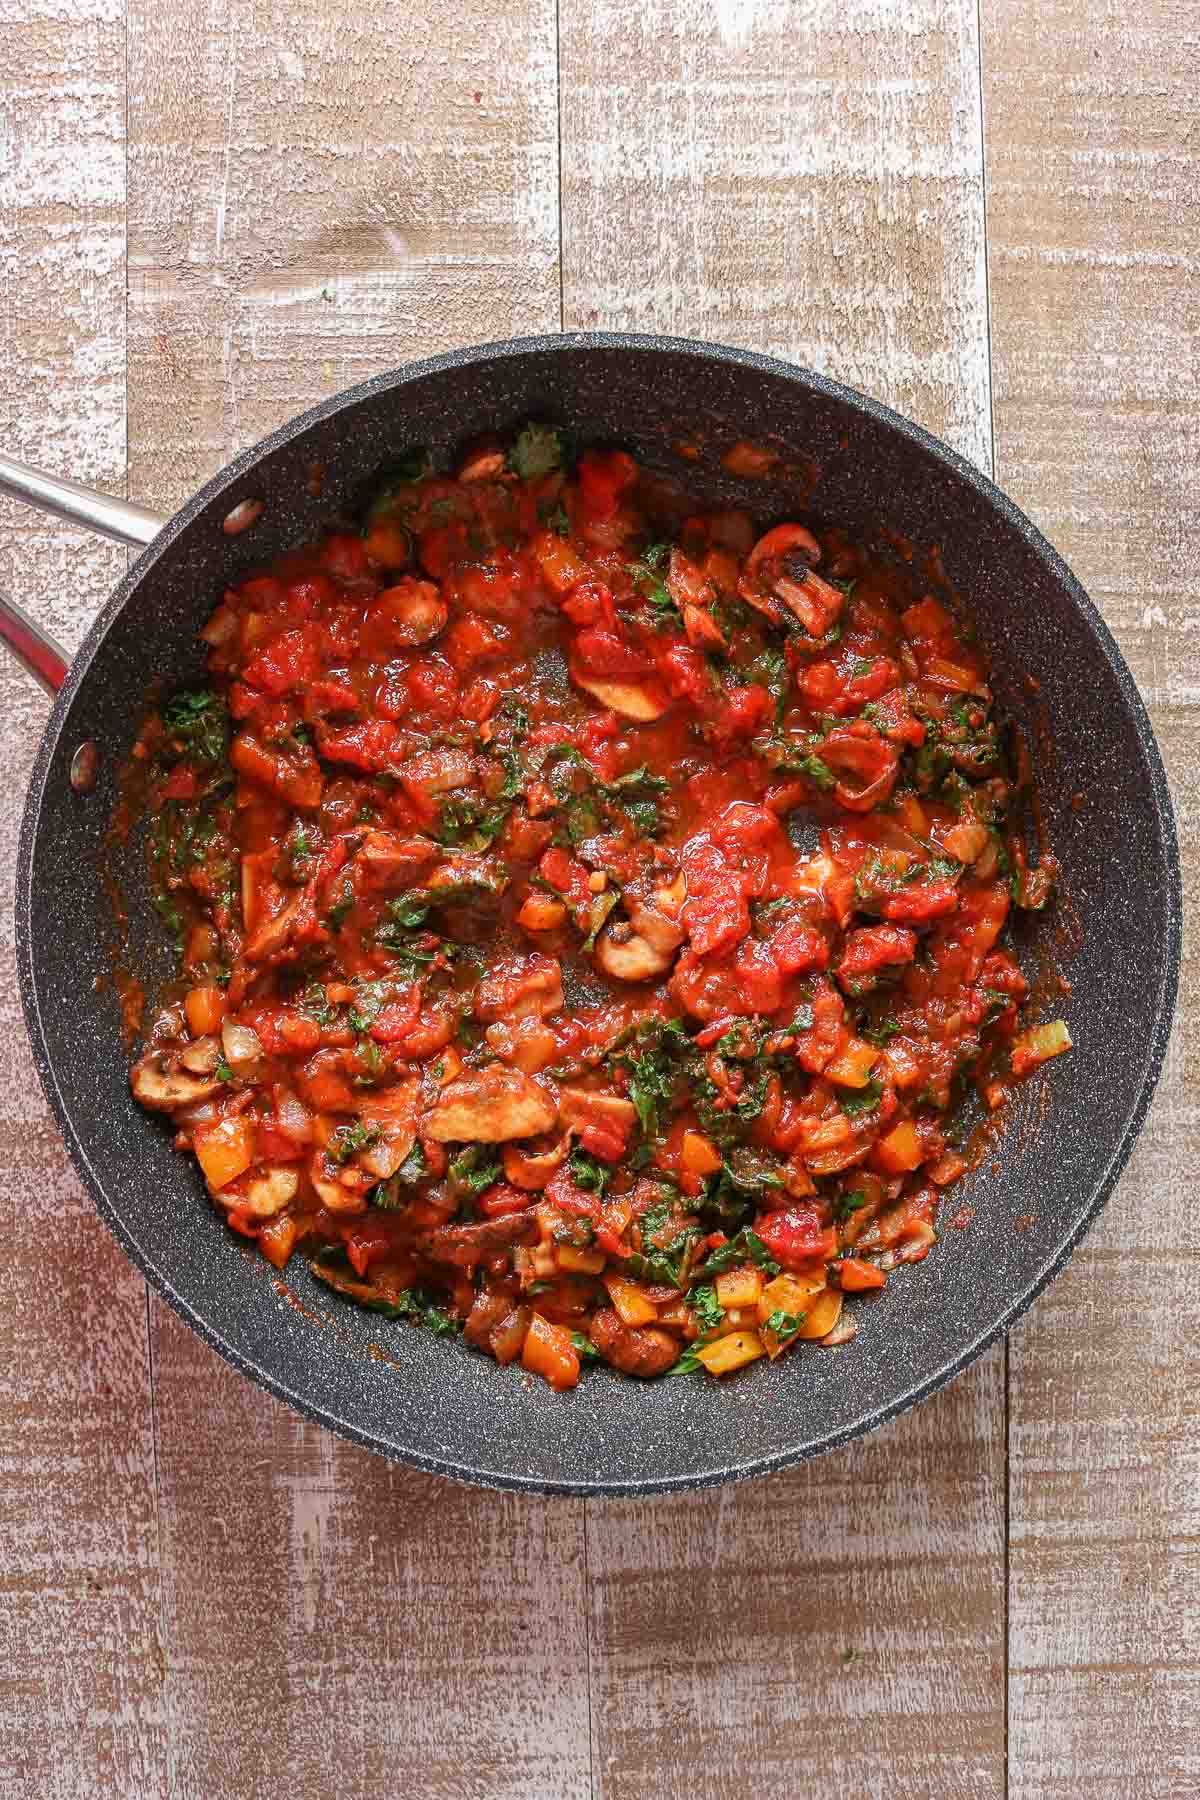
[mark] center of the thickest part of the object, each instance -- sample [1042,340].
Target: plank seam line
[587,1645]
[151,1374]
[562,326]
[158,1530]
[558,113]
[991,421]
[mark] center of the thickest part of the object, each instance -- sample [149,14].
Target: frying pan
[1112,935]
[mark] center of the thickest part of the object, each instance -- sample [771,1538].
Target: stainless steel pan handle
[45,659]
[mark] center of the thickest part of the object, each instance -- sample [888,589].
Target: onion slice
[242,1045]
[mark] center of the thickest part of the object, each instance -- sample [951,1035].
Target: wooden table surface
[214,213]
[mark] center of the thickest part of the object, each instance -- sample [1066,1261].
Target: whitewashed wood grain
[80,1657]
[320,192]
[316,194]
[806,180]
[1093,167]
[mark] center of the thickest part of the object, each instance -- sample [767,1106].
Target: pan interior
[1112,936]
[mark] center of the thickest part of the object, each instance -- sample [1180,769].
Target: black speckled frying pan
[1114,932]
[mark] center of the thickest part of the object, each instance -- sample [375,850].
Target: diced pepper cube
[632,1304]
[549,1352]
[852,1066]
[739,1287]
[901,1150]
[729,1353]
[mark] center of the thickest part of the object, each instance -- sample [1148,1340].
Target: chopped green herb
[536,452]
[471,822]
[747,1245]
[707,1308]
[199,721]
[368,1003]
[588,1171]
[657,1261]
[342,907]
[640,778]
[650,1063]
[646,578]
[475,1169]
[734,1192]
[408,912]
[348,1140]
[818,772]
[728,1124]
[602,905]
[169,913]
[770,670]
[583,1346]
[387,1194]
[862,1100]
[846,1205]
[513,784]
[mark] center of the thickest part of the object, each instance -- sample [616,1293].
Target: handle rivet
[85,766]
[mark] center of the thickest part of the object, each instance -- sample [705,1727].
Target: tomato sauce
[592,915]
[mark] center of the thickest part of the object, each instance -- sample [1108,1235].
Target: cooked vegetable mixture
[590,914]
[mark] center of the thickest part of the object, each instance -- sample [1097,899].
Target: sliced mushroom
[658,923]
[627,955]
[513,992]
[332,1195]
[646,1352]
[526,1043]
[814,601]
[491,1106]
[465,1245]
[265,1193]
[779,568]
[438,772]
[781,541]
[201,1057]
[467,875]
[644,701]
[393,1112]
[580,1107]
[389,858]
[703,632]
[271,937]
[531,1171]
[418,609]
[165,1089]
[482,462]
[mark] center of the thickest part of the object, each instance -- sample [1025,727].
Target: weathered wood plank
[845,1618]
[321,194]
[315,195]
[1093,191]
[803,180]
[80,1660]
[337,1625]
[806,181]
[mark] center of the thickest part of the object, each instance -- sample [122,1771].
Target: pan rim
[984,489]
